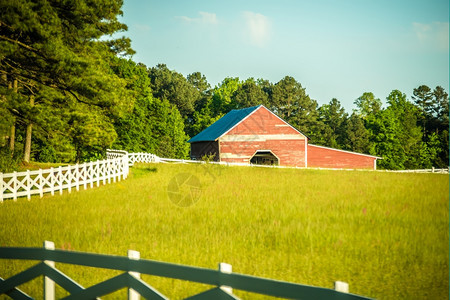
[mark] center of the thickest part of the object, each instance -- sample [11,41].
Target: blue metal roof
[222,125]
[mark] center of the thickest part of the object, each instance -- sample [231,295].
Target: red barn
[258,136]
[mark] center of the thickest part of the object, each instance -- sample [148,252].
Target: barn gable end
[262,131]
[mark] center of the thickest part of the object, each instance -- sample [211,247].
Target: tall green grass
[386,234]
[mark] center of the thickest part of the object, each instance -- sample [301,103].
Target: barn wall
[319,157]
[262,130]
[199,149]
[289,152]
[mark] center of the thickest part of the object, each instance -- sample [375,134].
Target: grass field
[386,234]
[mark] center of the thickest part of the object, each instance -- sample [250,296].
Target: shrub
[9,161]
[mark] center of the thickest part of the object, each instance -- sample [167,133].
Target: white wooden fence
[21,184]
[115,167]
[132,157]
[432,170]
[149,158]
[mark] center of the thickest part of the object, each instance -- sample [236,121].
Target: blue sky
[335,49]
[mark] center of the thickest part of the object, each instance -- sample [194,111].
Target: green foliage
[91,133]
[9,161]
[367,105]
[249,94]
[423,97]
[176,137]
[47,154]
[222,96]
[54,54]
[408,133]
[429,152]
[290,101]
[203,118]
[199,81]
[333,117]
[208,157]
[174,87]
[383,129]
[434,119]
[153,125]
[356,136]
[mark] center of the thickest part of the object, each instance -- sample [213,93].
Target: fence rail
[432,170]
[223,279]
[138,157]
[150,158]
[115,167]
[26,184]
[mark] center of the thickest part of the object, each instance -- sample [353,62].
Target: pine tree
[290,101]
[333,116]
[356,136]
[56,45]
[151,125]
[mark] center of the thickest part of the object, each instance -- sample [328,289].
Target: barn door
[264,157]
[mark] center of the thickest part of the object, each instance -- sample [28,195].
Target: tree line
[68,92]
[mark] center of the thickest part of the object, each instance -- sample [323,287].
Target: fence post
[49,285]
[28,188]
[77,177]
[14,186]
[52,181]
[69,178]
[60,182]
[132,294]
[114,169]
[126,168]
[85,176]
[90,171]
[1,187]
[41,184]
[226,268]
[98,173]
[108,170]
[340,286]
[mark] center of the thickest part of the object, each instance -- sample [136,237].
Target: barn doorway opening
[264,157]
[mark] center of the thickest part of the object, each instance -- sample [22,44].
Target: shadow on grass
[142,171]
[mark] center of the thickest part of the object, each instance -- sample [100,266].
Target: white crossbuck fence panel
[112,154]
[139,157]
[25,184]
[142,157]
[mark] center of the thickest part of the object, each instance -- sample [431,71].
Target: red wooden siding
[322,157]
[262,130]
[258,129]
[289,153]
